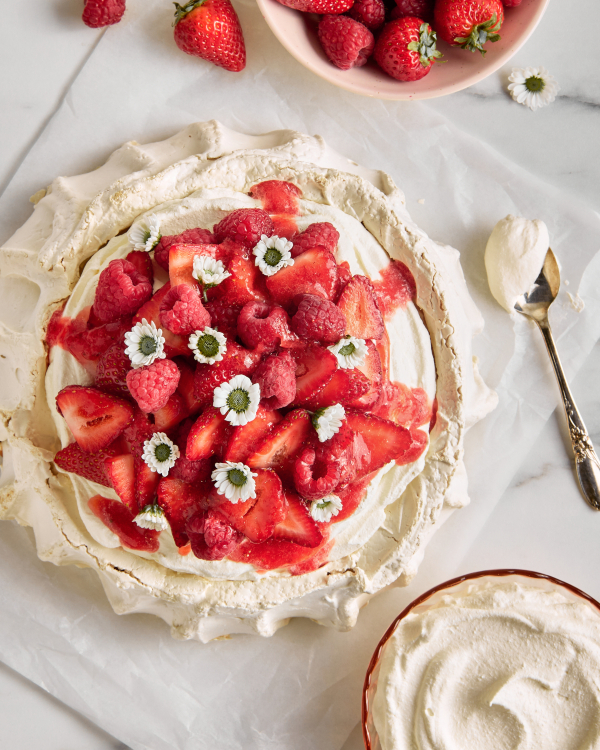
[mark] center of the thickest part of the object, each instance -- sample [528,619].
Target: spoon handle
[587,464]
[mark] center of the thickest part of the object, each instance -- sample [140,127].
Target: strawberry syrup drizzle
[63,330]
[395,289]
[280,200]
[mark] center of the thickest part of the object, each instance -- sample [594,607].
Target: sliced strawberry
[346,449]
[384,440]
[313,272]
[180,501]
[245,438]
[372,370]
[282,444]
[274,554]
[88,465]
[223,316]
[146,483]
[236,361]
[345,387]
[351,497]
[359,305]
[171,414]
[121,472]
[315,367]
[298,526]
[112,369]
[174,344]
[94,418]
[181,262]
[409,407]
[142,262]
[317,559]
[137,432]
[277,196]
[245,284]
[257,517]
[207,435]
[119,519]
[185,389]
[91,343]
[420,441]
[395,288]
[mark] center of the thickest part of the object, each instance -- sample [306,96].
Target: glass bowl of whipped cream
[489,661]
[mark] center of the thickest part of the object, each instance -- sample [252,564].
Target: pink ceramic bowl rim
[501,572]
[290,31]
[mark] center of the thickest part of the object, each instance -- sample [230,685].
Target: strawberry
[121,472]
[346,42]
[277,196]
[358,304]
[180,501]
[98,13]
[142,262]
[298,526]
[315,367]
[257,517]
[345,387]
[236,361]
[185,389]
[274,554]
[112,369]
[395,289]
[281,445]
[137,432]
[384,440]
[88,465]
[319,6]
[511,3]
[210,29]
[313,272]
[245,284]
[206,435]
[93,342]
[94,418]
[245,438]
[406,49]
[372,370]
[181,262]
[174,344]
[195,236]
[146,483]
[120,520]
[171,414]
[469,23]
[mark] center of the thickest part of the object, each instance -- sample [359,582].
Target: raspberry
[182,312]
[319,234]
[143,262]
[121,291]
[245,225]
[318,319]
[224,316]
[371,13]
[346,42]
[277,380]
[217,539]
[309,486]
[422,9]
[189,237]
[152,386]
[260,323]
[97,13]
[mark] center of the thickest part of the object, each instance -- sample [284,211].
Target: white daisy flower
[152,517]
[533,87]
[323,509]
[145,344]
[208,271]
[328,421]
[238,399]
[160,453]
[234,480]
[145,235]
[350,352]
[273,254]
[208,346]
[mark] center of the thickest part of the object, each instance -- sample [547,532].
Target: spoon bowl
[537,300]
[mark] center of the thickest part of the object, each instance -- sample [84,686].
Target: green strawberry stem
[181,11]
[480,34]
[425,46]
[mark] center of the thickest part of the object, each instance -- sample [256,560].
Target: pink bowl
[370,737]
[298,33]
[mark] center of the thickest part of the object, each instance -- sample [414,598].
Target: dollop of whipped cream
[504,665]
[514,257]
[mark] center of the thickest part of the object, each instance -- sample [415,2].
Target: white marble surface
[541,514]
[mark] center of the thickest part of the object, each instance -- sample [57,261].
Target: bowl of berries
[394,49]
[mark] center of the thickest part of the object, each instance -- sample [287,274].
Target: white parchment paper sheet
[301,688]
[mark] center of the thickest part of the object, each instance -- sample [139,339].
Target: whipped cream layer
[514,256]
[411,363]
[500,666]
[85,217]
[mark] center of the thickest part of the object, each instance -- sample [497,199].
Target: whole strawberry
[97,13]
[346,42]
[330,7]
[210,29]
[469,23]
[406,49]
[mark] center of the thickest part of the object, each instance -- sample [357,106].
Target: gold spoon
[535,304]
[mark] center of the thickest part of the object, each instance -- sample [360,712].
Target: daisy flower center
[162,452]
[347,349]
[534,84]
[272,257]
[237,477]
[147,345]
[208,345]
[238,400]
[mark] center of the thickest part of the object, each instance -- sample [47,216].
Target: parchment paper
[301,688]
